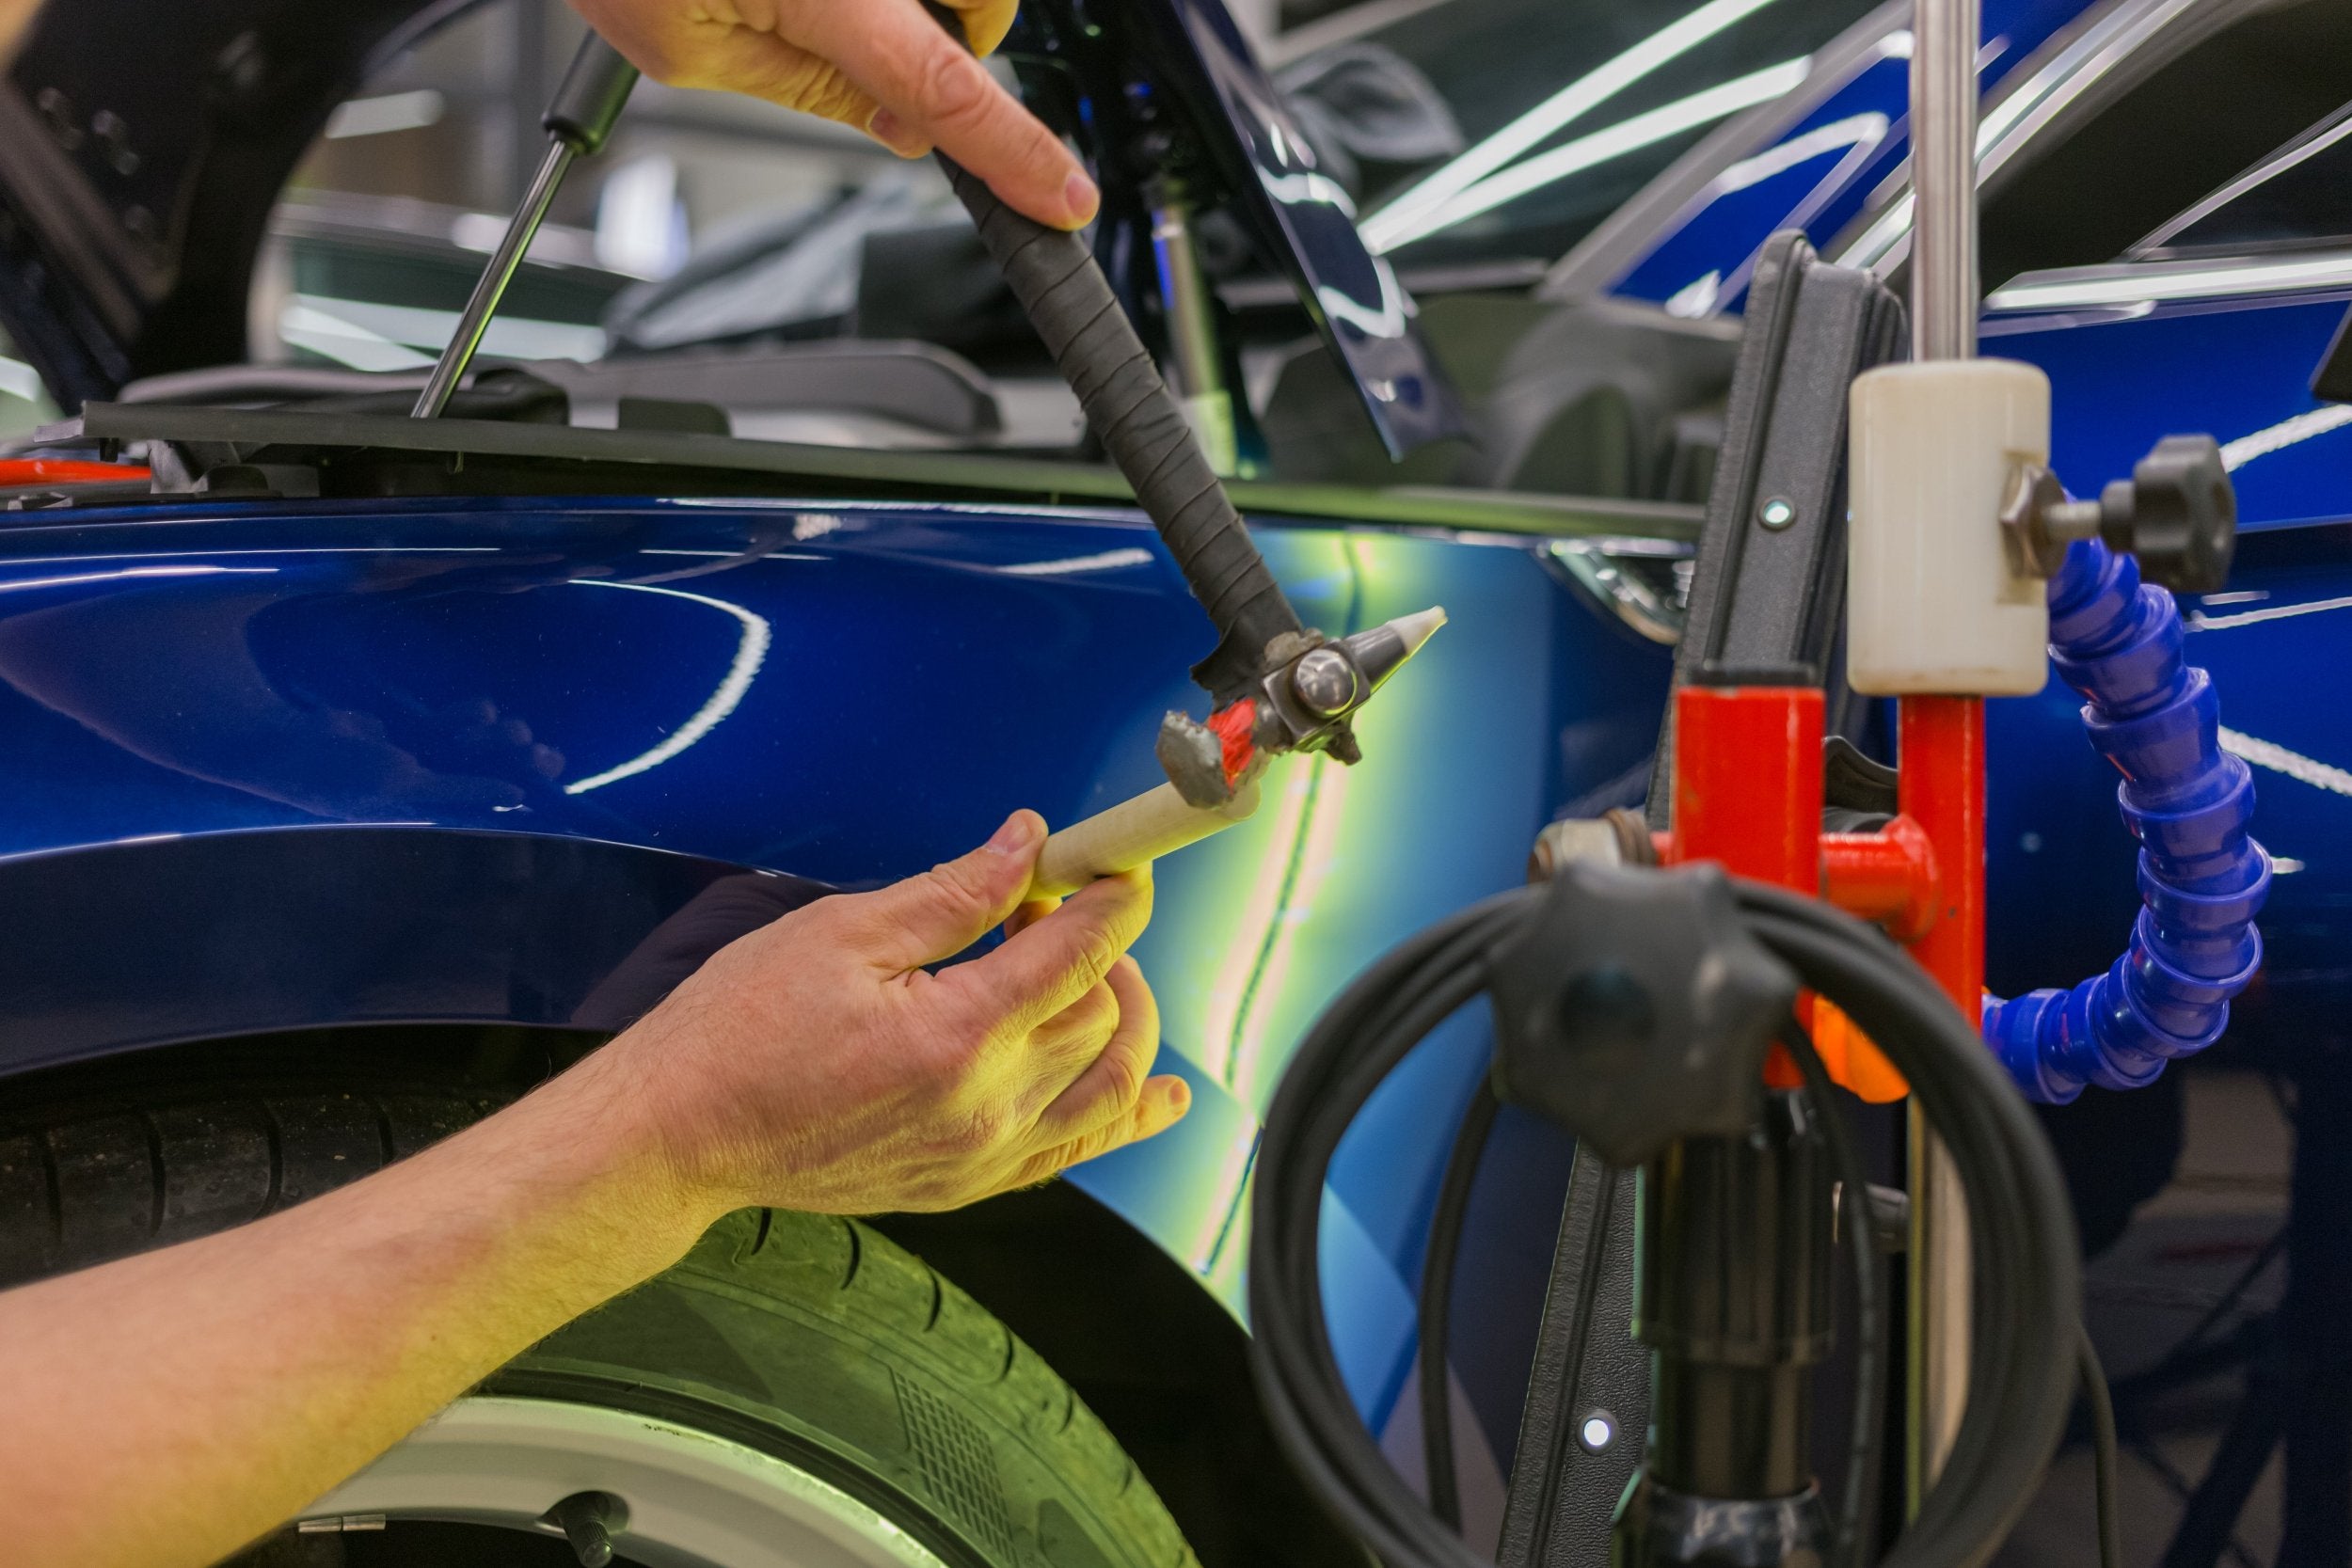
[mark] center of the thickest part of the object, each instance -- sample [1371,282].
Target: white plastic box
[1933,606]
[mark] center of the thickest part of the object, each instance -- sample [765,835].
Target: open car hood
[144,142]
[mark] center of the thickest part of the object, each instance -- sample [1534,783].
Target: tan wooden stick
[1153,824]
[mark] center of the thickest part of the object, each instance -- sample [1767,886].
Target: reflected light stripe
[1107,560]
[1571,103]
[293,550]
[2295,764]
[2131,283]
[138,572]
[1629,135]
[2286,433]
[749,654]
[1838,134]
[1304,878]
[1226,1186]
[2199,621]
[1253,922]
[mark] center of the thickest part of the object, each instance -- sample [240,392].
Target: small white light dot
[1598,1433]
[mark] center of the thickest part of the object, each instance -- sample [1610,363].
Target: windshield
[1565,109]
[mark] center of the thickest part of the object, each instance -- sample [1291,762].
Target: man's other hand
[882,66]
[816,1064]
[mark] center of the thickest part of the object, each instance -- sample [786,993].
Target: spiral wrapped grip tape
[1069,303]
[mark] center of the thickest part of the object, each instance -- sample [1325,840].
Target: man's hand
[815,1064]
[882,66]
[157,1411]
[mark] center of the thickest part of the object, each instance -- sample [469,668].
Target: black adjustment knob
[2177,514]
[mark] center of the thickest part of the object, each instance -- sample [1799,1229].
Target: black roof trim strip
[211,436]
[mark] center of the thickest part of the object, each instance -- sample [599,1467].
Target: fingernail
[1015,837]
[1179,1097]
[1080,196]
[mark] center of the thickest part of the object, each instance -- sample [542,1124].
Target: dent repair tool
[1328,683]
[581,117]
[1275,684]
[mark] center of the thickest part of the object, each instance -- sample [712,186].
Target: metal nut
[1325,681]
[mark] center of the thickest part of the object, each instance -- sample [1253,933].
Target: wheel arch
[172,967]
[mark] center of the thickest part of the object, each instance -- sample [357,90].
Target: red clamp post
[1747,795]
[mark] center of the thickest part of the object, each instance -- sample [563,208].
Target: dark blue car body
[286,766]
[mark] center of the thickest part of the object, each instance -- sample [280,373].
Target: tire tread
[987,1424]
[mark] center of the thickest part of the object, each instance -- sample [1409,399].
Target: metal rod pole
[1944,299]
[1185,303]
[1944,289]
[504,263]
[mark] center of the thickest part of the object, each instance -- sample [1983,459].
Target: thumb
[949,907]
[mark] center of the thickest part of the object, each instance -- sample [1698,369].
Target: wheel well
[1143,1342]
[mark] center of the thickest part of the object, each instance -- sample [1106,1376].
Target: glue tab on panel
[1934,604]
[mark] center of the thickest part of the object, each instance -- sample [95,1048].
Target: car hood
[144,142]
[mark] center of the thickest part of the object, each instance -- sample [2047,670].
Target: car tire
[825,1370]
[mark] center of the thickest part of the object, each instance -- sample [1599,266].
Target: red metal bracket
[1748,784]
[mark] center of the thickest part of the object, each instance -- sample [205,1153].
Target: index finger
[940,94]
[1049,964]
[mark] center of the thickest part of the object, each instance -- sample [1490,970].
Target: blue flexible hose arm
[2201,879]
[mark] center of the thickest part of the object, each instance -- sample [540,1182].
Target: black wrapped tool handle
[1054,276]
[1058,282]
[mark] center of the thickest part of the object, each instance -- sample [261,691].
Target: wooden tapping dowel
[1154,823]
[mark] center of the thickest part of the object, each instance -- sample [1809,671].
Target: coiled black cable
[1436,1301]
[2024,1351]
[1870,1326]
[2105,1453]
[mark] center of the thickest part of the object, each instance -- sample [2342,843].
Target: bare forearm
[211,1391]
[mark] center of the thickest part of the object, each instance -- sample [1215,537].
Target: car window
[2178,133]
[1568,109]
[383,230]
[2299,197]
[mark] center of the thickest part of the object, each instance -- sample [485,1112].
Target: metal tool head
[1313,687]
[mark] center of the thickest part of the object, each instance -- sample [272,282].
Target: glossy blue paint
[274,766]
[2240,369]
[1819,171]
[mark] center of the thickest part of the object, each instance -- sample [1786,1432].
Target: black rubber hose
[1436,1301]
[1058,281]
[2023,1246]
[1870,1326]
[2104,1449]
[1344,1057]
[2025,1252]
